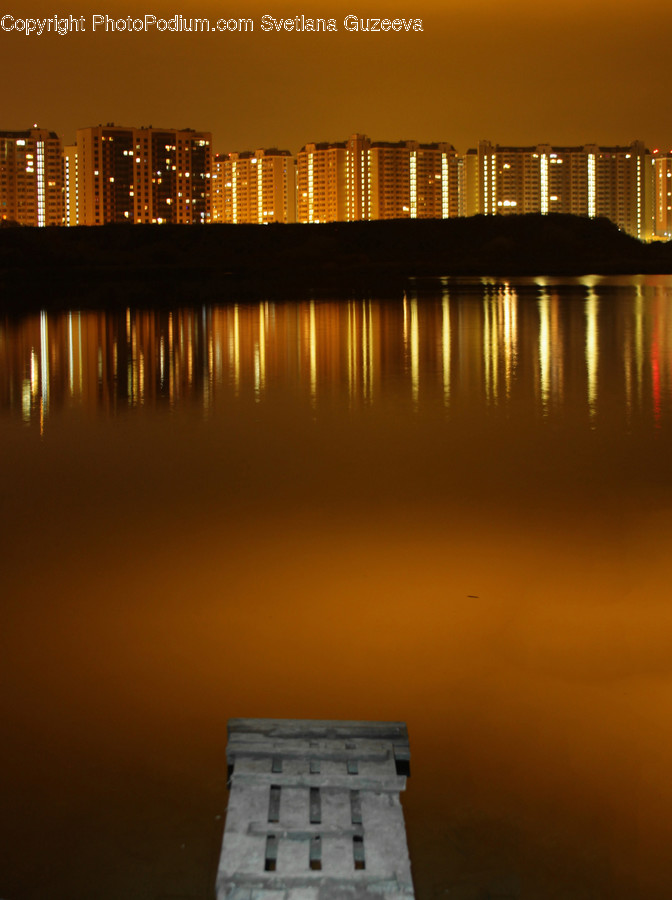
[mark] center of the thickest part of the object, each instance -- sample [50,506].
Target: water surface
[451,508]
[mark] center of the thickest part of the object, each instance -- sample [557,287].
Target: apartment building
[662,163]
[617,183]
[254,187]
[409,180]
[321,183]
[71,185]
[363,180]
[143,175]
[31,177]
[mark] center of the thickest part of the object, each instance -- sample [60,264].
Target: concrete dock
[314,811]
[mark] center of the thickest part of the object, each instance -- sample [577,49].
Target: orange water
[452,509]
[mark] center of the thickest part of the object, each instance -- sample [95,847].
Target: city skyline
[565,76]
[119,174]
[271,143]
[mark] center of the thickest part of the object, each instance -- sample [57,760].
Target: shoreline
[211,263]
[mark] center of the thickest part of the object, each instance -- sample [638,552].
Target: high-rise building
[333,181]
[31,177]
[408,180]
[614,182]
[143,175]
[357,194]
[254,187]
[357,180]
[663,194]
[71,185]
[321,183]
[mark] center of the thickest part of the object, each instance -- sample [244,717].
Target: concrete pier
[314,811]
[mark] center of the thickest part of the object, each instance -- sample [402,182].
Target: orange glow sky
[514,73]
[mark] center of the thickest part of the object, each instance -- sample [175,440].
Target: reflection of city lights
[162,372]
[445,347]
[34,374]
[368,351]
[263,312]
[235,347]
[26,399]
[71,362]
[415,351]
[591,351]
[509,302]
[313,353]
[500,337]
[448,345]
[44,362]
[352,349]
[544,352]
[490,351]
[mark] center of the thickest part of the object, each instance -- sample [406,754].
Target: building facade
[663,194]
[71,185]
[359,180]
[31,177]
[612,182]
[314,811]
[143,175]
[254,187]
[408,180]
[321,183]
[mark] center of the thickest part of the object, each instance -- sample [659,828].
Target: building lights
[41,209]
[544,184]
[639,196]
[591,185]
[350,180]
[311,201]
[493,180]
[445,196]
[413,173]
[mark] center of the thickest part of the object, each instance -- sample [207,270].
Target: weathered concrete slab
[314,811]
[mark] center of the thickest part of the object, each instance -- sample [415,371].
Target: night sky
[514,73]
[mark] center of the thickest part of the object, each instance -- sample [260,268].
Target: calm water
[453,509]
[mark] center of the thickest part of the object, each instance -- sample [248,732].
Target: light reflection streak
[71,363]
[445,347]
[34,374]
[509,303]
[140,378]
[190,354]
[26,400]
[490,351]
[557,351]
[44,363]
[351,345]
[415,352]
[365,356]
[545,351]
[235,348]
[171,358]
[655,371]
[370,352]
[263,316]
[313,354]
[450,345]
[591,352]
